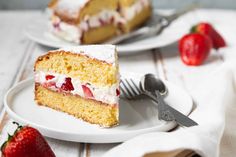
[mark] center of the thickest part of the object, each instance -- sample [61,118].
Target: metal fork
[131,91]
[152,28]
[165,112]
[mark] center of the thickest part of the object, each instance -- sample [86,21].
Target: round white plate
[38,31]
[136,117]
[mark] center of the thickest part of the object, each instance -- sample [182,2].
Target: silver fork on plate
[153,27]
[132,91]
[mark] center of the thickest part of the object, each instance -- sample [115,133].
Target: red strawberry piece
[117,92]
[49,84]
[194,48]
[49,77]
[112,19]
[87,92]
[67,86]
[26,142]
[102,22]
[56,25]
[207,29]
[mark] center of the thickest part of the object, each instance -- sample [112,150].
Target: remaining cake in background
[82,81]
[85,21]
[134,13]
[95,21]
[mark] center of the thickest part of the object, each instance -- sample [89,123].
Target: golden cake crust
[89,110]
[126,3]
[138,19]
[80,66]
[62,52]
[99,34]
[52,4]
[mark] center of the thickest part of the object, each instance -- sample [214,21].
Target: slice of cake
[85,21]
[95,21]
[134,12]
[82,81]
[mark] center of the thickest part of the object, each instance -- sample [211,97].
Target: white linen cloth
[215,100]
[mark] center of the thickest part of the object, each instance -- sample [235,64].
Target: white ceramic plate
[38,31]
[136,117]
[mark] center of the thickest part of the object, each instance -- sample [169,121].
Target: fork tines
[129,88]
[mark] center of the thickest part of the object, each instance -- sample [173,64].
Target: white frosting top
[72,6]
[105,53]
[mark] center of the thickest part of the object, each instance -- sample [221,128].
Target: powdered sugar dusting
[72,6]
[105,53]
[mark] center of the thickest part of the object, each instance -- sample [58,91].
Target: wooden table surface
[19,53]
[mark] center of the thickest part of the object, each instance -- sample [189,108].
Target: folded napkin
[214,97]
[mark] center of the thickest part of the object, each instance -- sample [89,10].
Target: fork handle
[144,31]
[151,96]
[168,113]
[163,114]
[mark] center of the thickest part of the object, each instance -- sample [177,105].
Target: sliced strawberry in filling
[87,92]
[67,86]
[49,84]
[49,77]
[117,92]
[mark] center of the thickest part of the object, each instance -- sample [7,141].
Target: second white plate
[38,31]
[136,117]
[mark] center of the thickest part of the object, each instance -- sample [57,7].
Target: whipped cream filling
[74,33]
[66,31]
[55,81]
[130,12]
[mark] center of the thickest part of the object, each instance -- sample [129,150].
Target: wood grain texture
[14,47]
[17,58]
[15,51]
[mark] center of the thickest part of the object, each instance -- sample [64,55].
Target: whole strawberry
[207,29]
[194,48]
[26,142]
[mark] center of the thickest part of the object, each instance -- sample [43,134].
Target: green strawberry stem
[19,127]
[193,29]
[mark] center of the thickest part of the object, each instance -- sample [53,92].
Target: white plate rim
[49,132]
[122,49]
